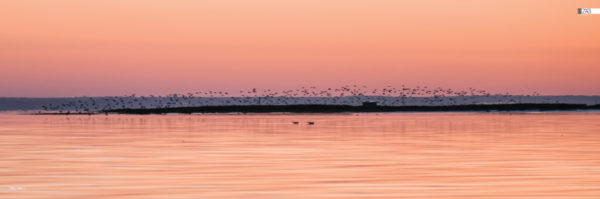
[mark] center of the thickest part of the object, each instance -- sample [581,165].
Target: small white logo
[584,11]
[588,11]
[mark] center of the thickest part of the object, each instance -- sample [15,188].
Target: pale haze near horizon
[102,48]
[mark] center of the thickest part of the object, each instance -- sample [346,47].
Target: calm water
[414,155]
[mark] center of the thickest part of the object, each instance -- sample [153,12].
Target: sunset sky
[53,48]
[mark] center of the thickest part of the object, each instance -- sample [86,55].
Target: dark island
[345,99]
[367,107]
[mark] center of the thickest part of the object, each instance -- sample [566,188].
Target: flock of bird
[345,95]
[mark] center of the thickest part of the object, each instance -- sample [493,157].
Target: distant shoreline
[320,108]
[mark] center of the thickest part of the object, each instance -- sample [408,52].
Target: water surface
[409,155]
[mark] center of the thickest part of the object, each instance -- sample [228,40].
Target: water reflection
[416,155]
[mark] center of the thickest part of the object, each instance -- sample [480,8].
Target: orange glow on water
[415,155]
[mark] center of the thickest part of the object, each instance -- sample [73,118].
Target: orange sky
[115,47]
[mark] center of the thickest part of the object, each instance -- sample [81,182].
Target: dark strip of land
[315,108]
